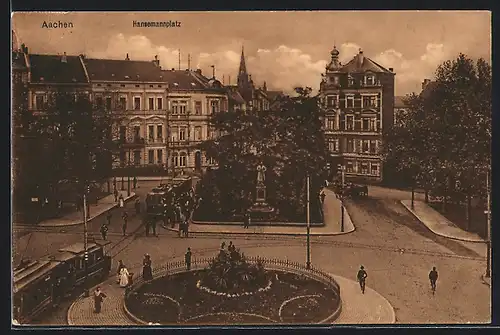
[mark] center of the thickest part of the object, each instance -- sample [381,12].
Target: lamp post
[341,198]
[128,174]
[85,239]
[308,220]
[488,226]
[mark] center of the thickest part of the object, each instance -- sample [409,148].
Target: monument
[261,210]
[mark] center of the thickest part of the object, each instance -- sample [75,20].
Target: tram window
[98,254]
[79,262]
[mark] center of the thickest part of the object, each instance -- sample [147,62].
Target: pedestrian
[245,221]
[121,201]
[108,218]
[187,258]
[181,228]
[147,272]
[322,196]
[98,298]
[115,193]
[186,228]
[433,277]
[104,231]
[124,225]
[231,248]
[146,219]
[362,278]
[135,182]
[120,267]
[153,226]
[137,206]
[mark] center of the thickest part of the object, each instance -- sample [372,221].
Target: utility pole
[341,198]
[488,228]
[85,238]
[308,218]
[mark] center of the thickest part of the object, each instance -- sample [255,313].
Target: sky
[285,49]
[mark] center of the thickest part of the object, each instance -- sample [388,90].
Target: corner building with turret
[357,101]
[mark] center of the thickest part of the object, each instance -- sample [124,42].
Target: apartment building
[358,102]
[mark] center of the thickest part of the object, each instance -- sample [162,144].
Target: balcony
[158,140]
[136,142]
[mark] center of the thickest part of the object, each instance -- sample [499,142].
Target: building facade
[357,101]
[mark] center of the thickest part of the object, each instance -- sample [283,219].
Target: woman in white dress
[124,277]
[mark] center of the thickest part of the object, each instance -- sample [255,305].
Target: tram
[41,284]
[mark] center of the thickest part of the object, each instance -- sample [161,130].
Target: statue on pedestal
[261,187]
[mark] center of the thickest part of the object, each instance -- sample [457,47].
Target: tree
[288,140]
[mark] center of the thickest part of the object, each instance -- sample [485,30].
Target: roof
[18,61]
[399,102]
[123,70]
[31,272]
[51,69]
[360,63]
[273,94]
[428,89]
[78,247]
[185,80]
[234,94]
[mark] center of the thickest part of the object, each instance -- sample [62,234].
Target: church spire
[243,67]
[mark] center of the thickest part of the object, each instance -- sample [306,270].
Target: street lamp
[85,239]
[308,220]
[341,198]
[488,226]
[128,174]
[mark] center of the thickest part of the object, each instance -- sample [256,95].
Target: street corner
[358,308]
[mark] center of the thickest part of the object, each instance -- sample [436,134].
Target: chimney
[63,58]
[425,83]
[391,69]
[361,58]
[156,61]
[127,58]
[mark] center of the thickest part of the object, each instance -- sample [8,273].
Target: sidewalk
[437,223]
[76,218]
[332,214]
[357,308]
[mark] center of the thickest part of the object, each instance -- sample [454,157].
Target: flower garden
[234,289]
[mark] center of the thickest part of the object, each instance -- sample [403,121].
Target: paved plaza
[396,249]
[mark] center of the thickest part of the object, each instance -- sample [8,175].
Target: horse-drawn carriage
[351,190]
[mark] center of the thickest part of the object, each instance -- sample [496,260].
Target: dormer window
[369,80]
[336,80]
[350,80]
[332,101]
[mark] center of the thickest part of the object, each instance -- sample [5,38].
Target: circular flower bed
[232,290]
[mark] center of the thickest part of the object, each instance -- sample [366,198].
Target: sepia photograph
[251,168]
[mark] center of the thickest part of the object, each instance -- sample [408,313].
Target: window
[350,145]
[330,123]
[39,102]
[350,80]
[197,107]
[349,122]
[333,145]
[373,124]
[123,158]
[214,106]
[365,145]
[210,160]
[364,167]
[159,156]
[336,80]
[108,103]
[137,133]
[151,156]
[373,146]
[349,101]
[331,101]
[151,133]
[370,80]
[175,159]
[365,124]
[374,171]
[137,157]
[123,133]
[175,134]
[210,132]
[369,101]
[137,103]
[151,104]
[182,134]
[175,108]
[349,167]
[182,107]
[159,103]
[123,103]
[197,133]
[183,159]
[159,132]
[98,102]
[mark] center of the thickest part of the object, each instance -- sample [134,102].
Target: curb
[88,220]
[440,234]
[484,281]
[260,233]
